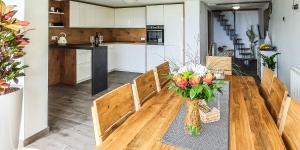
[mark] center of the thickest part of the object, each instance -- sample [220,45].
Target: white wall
[35,104]
[203,32]
[285,35]
[192,28]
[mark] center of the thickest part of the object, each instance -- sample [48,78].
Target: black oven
[155,34]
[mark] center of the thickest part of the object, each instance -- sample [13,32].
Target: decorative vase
[192,118]
[267,39]
[10,116]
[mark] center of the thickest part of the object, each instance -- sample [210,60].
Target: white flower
[195,68]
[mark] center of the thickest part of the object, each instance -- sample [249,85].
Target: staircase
[244,52]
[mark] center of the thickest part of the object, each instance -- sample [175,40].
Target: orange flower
[194,80]
[207,81]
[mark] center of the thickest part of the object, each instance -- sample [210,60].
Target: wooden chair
[111,110]
[266,82]
[277,99]
[161,73]
[290,125]
[143,87]
[215,63]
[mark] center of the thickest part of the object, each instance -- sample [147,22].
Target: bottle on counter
[97,39]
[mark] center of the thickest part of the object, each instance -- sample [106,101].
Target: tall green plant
[12,42]
[269,61]
[252,36]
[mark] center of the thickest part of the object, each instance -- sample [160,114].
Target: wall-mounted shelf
[56,26]
[58,13]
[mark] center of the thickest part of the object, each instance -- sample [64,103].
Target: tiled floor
[70,119]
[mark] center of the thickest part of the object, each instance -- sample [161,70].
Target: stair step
[246,54]
[239,44]
[244,49]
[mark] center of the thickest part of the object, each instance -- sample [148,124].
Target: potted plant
[252,36]
[195,84]
[269,61]
[12,42]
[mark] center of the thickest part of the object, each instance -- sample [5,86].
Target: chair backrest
[267,80]
[144,87]
[290,125]
[111,110]
[277,98]
[161,75]
[215,63]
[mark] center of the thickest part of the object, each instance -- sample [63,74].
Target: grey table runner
[214,136]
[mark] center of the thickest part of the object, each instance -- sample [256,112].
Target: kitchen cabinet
[111,64]
[173,21]
[84,15]
[122,18]
[130,57]
[83,65]
[174,53]
[74,14]
[155,15]
[130,17]
[155,56]
[104,17]
[138,17]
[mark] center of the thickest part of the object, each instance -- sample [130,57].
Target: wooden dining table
[251,126]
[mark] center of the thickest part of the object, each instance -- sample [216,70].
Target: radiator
[295,83]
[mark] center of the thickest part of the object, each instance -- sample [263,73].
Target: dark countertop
[75,46]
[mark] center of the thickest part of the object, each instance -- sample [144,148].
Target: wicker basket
[209,115]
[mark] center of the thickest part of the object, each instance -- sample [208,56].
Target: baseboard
[36,136]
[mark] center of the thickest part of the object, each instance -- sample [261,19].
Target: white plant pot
[10,118]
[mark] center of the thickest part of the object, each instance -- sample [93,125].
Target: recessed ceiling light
[236,6]
[130,1]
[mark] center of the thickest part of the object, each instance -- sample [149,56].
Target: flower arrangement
[195,82]
[12,42]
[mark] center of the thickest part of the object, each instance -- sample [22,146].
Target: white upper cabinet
[122,18]
[130,17]
[74,14]
[139,17]
[173,21]
[155,15]
[91,16]
[105,17]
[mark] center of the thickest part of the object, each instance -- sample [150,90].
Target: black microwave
[155,34]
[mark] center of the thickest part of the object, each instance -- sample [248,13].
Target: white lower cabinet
[83,65]
[155,56]
[127,57]
[174,53]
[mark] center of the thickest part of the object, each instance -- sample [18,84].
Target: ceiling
[126,3]
[213,4]
[244,4]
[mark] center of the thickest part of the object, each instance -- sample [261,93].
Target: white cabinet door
[155,56]
[83,65]
[173,18]
[111,58]
[138,17]
[84,15]
[105,17]
[174,53]
[122,18]
[130,57]
[74,14]
[173,21]
[155,15]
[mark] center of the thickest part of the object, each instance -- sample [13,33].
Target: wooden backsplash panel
[80,35]
[128,35]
